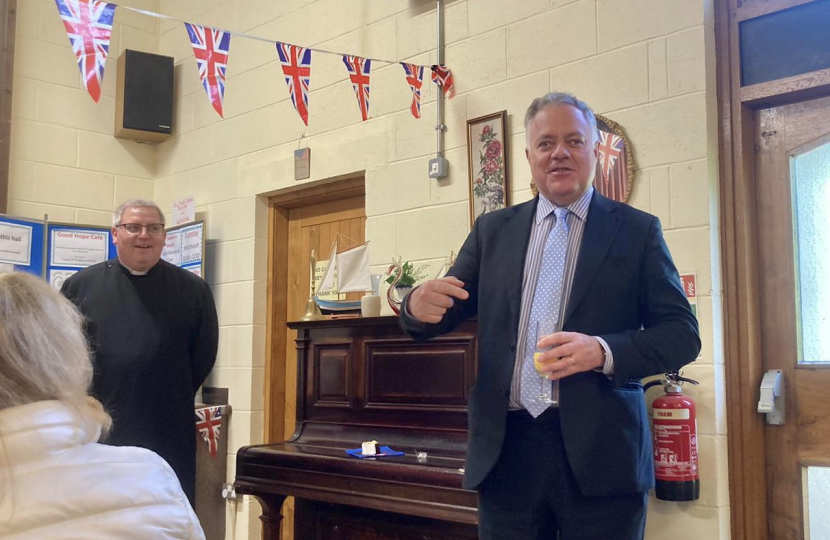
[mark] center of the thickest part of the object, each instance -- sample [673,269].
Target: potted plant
[409,275]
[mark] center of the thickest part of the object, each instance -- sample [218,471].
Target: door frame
[279,204]
[8,23]
[741,295]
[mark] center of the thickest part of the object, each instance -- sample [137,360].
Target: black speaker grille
[148,92]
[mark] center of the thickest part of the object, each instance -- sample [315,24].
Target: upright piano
[360,380]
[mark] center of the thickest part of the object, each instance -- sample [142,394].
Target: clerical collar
[133,272]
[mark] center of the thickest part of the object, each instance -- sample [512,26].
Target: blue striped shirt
[542,225]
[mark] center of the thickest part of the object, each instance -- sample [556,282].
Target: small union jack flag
[359,74]
[88,24]
[211,47]
[611,166]
[610,146]
[296,66]
[442,76]
[208,423]
[415,78]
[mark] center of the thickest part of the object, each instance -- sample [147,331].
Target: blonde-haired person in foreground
[56,481]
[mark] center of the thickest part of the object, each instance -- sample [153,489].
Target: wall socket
[228,492]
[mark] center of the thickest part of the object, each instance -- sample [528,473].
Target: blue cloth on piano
[384,451]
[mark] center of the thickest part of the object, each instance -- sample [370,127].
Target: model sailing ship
[347,271]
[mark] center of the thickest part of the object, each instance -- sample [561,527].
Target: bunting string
[88,24]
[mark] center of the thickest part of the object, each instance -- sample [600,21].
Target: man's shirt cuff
[608,368]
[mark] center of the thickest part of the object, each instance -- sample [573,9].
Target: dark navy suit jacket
[626,290]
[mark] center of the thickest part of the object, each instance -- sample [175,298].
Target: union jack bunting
[208,423]
[296,66]
[442,76]
[611,166]
[415,78]
[211,47]
[359,74]
[88,24]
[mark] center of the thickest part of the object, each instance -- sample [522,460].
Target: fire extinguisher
[675,441]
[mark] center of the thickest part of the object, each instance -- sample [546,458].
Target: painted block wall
[65,162]
[647,65]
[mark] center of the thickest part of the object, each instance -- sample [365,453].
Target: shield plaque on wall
[615,165]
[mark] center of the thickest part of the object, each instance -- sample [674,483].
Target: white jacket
[56,482]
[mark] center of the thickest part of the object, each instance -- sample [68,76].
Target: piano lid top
[345,322]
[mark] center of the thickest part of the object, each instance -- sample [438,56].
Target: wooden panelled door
[793,242]
[301,221]
[315,227]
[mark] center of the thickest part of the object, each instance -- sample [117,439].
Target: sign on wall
[21,245]
[690,288]
[185,247]
[71,248]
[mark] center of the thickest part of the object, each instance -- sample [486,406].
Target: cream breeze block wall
[64,160]
[647,65]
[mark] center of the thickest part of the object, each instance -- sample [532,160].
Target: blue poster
[71,248]
[21,245]
[185,247]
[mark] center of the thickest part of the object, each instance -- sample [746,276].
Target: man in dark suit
[601,271]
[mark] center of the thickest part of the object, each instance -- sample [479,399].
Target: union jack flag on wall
[415,78]
[211,47]
[88,24]
[442,76]
[208,423]
[359,74]
[296,66]
[612,166]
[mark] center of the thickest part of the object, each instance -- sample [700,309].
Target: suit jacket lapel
[516,235]
[600,230]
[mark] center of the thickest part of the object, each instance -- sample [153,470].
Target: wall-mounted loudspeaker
[144,97]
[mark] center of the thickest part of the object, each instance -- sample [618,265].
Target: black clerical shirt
[154,340]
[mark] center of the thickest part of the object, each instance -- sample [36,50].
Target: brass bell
[312,310]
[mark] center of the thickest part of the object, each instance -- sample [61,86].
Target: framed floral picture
[487,160]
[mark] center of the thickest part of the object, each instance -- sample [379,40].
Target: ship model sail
[350,270]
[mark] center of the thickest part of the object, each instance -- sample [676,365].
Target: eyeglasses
[153,229]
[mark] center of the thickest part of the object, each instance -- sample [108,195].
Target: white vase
[370,306]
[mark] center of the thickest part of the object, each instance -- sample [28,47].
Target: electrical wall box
[439,168]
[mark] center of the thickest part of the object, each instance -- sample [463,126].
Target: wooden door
[793,243]
[299,220]
[315,226]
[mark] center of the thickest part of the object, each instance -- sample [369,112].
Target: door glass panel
[811,215]
[817,503]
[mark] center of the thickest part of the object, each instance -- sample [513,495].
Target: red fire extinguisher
[675,441]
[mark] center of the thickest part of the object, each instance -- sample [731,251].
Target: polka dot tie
[546,303]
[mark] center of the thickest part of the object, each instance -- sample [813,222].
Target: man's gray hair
[552,99]
[135,203]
